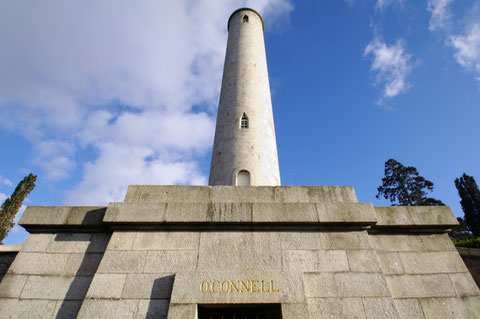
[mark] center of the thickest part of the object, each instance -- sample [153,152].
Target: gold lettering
[202,286]
[263,287]
[254,283]
[225,288]
[271,287]
[235,287]
[247,287]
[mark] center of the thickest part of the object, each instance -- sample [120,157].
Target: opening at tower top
[245,18]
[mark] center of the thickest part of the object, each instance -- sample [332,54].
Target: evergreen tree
[403,186]
[460,232]
[12,204]
[470,195]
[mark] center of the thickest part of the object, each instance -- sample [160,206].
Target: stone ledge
[10,248]
[235,194]
[466,252]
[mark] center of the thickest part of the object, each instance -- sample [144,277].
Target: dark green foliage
[470,195]
[469,243]
[460,232]
[12,204]
[404,187]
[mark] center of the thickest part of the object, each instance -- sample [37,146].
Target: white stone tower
[245,149]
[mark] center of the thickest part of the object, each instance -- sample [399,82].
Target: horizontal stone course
[351,284]
[31,309]
[30,263]
[166,240]
[315,260]
[420,286]
[168,261]
[432,262]
[104,308]
[380,308]
[118,262]
[336,308]
[415,216]
[107,286]
[54,287]
[148,286]
[363,261]
[12,285]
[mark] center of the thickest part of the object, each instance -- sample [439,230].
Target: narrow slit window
[245,18]
[244,121]
[243,178]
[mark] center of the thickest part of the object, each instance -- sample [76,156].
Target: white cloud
[3,197]
[137,82]
[383,4]
[467,49]
[440,13]
[392,66]
[5,181]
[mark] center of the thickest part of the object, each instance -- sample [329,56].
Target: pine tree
[12,204]
[470,195]
[403,186]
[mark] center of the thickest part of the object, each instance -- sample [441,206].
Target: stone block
[444,308]
[304,240]
[86,215]
[315,260]
[361,285]
[171,194]
[99,242]
[120,262]
[464,284]
[239,250]
[107,286]
[10,248]
[320,285]
[380,308]
[166,240]
[363,261]
[437,242]
[148,286]
[472,305]
[135,212]
[105,309]
[45,215]
[349,240]
[82,264]
[187,212]
[420,286]
[31,309]
[315,194]
[46,287]
[320,308]
[346,212]
[122,240]
[182,311]
[284,212]
[390,263]
[247,194]
[415,216]
[38,264]
[294,310]
[168,261]
[432,262]
[229,212]
[396,243]
[38,242]
[409,308]
[153,308]
[12,285]
[70,243]
[67,309]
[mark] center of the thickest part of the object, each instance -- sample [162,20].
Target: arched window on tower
[245,18]
[244,121]
[243,178]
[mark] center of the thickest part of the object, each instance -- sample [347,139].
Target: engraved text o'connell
[239,286]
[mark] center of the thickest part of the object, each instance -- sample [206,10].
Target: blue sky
[95,96]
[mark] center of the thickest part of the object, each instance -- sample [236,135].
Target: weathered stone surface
[177,194]
[45,215]
[361,285]
[122,240]
[346,212]
[67,309]
[38,242]
[409,308]
[312,240]
[148,286]
[69,243]
[135,212]
[188,212]
[349,240]
[320,285]
[38,264]
[294,310]
[82,264]
[86,216]
[239,250]
[432,262]
[315,194]
[12,285]
[464,284]
[315,260]
[284,212]
[363,260]
[437,242]
[380,308]
[107,286]
[212,287]
[168,261]
[415,216]
[166,240]
[32,309]
[420,286]
[153,308]
[46,287]
[103,309]
[390,263]
[121,262]
[335,308]
[445,308]
[182,311]
[397,243]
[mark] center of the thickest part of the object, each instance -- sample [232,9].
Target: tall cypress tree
[12,204]
[470,200]
[403,186]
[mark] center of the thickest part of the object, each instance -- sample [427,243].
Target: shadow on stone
[162,287]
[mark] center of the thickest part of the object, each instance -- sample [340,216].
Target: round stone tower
[245,149]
